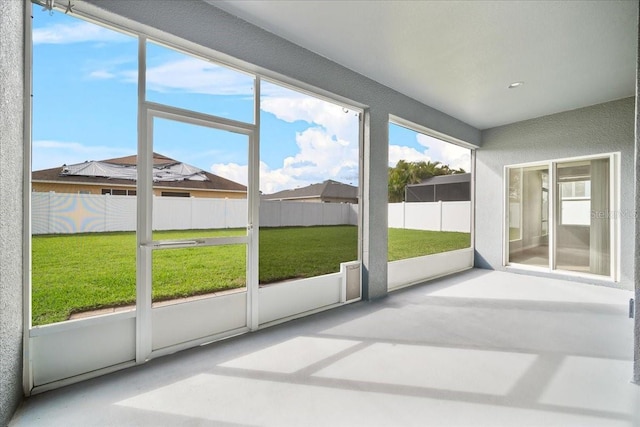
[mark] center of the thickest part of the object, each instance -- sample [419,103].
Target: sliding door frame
[613,215]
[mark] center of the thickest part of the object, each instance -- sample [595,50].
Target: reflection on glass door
[528,215]
[582,230]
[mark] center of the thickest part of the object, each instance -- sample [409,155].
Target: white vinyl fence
[281,214]
[54,213]
[436,216]
[80,213]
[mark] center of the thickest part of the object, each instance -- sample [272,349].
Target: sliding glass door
[529,215]
[559,215]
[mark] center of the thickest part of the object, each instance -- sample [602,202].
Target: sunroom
[114,278]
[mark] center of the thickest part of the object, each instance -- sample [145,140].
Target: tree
[405,173]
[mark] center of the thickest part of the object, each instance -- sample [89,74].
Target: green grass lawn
[405,243]
[74,273]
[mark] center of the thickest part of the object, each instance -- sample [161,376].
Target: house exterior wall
[45,187]
[602,128]
[11,226]
[636,364]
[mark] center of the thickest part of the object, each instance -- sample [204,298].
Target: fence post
[440,206]
[191,221]
[106,213]
[50,213]
[404,215]
[226,212]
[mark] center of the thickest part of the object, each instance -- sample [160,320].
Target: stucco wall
[208,26]
[602,128]
[636,366]
[11,131]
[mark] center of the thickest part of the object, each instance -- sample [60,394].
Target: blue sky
[85,108]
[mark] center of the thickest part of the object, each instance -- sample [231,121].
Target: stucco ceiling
[461,56]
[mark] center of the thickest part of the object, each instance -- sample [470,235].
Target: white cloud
[232,171]
[86,32]
[292,106]
[198,76]
[274,180]
[446,153]
[409,154]
[108,67]
[49,154]
[328,149]
[321,156]
[101,75]
[271,180]
[77,32]
[434,150]
[195,76]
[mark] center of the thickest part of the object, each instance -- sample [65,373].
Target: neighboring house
[328,191]
[443,188]
[118,177]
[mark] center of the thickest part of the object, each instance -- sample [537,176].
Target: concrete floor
[479,348]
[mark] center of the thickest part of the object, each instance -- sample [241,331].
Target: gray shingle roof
[328,189]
